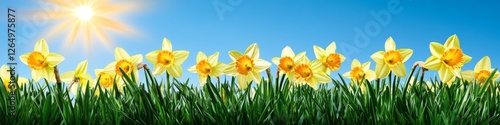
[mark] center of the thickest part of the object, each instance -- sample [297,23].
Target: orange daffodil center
[166,60]
[246,67]
[207,66]
[287,63]
[106,80]
[203,67]
[358,71]
[330,59]
[448,59]
[124,62]
[310,73]
[303,72]
[42,61]
[482,75]
[482,71]
[391,59]
[124,65]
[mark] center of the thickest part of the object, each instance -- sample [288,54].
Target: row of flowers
[447,59]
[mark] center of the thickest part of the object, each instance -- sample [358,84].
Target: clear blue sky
[196,26]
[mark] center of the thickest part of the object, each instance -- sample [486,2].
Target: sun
[89,21]
[84,13]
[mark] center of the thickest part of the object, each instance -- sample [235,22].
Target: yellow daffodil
[246,67]
[359,71]
[287,61]
[391,60]
[77,78]
[167,60]
[310,73]
[207,67]
[329,58]
[125,62]
[447,59]
[5,77]
[106,80]
[42,62]
[481,72]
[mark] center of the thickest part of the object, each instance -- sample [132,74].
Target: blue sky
[196,26]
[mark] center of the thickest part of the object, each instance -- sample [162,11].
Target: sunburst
[88,19]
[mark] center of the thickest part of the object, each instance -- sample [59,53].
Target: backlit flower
[246,67]
[42,61]
[167,60]
[447,59]
[207,67]
[77,78]
[126,63]
[391,60]
[481,72]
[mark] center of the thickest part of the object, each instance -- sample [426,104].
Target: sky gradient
[197,25]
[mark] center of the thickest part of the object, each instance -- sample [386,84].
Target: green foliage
[385,101]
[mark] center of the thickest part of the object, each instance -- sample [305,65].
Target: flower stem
[58,78]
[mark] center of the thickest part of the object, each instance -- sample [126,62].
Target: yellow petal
[175,71]
[382,70]
[151,56]
[355,63]
[378,57]
[68,77]
[390,44]
[81,68]
[22,81]
[445,74]
[366,66]
[495,76]
[483,64]
[255,77]
[120,54]
[433,63]
[212,59]
[317,65]
[468,75]
[313,83]
[136,59]
[399,70]
[231,69]
[342,57]
[180,56]
[24,58]
[192,69]
[347,74]
[331,48]
[54,59]
[261,65]
[466,58]
[452,42]
[98,71]
[299,56]
[370,75]
[218,69]
[234,55]
[158,70]
[276,60]
[318,52]
[42,47]
[253,51]
[456,72]
[322,78]
[287,51]
[202,79]
[35,75]
[74,89]
[436,49]
[166,45]
[3,71]
[200,56]
[242,81]
[405,53]
[110,68]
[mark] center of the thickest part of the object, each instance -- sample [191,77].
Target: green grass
[386,101]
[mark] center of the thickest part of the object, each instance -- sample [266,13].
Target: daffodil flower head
[358,71]
[286,63]
[5,77]
[167,60]
[107,80]
[246,67]
[124,62]
[207,66]
[448,59]
[310,73]
[481,72]
[42,61]
[391,59]
[78,77]
[330,59]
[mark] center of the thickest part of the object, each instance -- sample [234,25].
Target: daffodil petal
[432,63]
[151,56]
[35,75]
[231,69]
[378,57]
[42,47]
[24,58]
[405,53]
[366,66]
[390,44]
[68,77]
[483,64]
[234,55]
[319,52]
[456,72]
[466,58]
[331,48]
[192,69]
[200,56]
[212,59]
[218,69]
[253,51]
[399,70]
[261,65]
[276,60]
[452,42]
[202,79]
[136,59]
[180,56]
[342,57]
[495,76]
[436,49]
[370,75]
[54,59]
[175,71]
[382,70]
[347,74]
[355,63]
[299,56]
[256,77]
[322,78]
[468,75]
[287,51]
[242,82]
[120,54]
[445,74]
[166,45]
[81,68]
[158,70]
[313,83]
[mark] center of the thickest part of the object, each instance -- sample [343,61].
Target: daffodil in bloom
[391,60]
[482,71]
[125,62]
[78,77]
[448,59]
[358,71]
[5,77]
[167,60]
[330,60]
[310,73]
[207,66]
[286,63]
[42,61]
[246,67]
